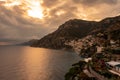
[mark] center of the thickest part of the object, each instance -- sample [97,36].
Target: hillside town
[101,54]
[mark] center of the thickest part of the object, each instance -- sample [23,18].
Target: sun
[35,10]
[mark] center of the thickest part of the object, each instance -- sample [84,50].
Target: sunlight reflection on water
[26,63]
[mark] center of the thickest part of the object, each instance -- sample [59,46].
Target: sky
[33,19]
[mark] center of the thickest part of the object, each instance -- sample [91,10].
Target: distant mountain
[76,29]
[27,43]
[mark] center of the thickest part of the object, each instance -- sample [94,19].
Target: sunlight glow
[35,10]
[59,13]
[32,7]
[10,3]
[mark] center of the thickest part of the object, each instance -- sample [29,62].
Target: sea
[28,63]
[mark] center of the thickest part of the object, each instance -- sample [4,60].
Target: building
[87,59]
[114,65]
[99,49]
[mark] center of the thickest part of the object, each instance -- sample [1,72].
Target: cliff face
[76,29]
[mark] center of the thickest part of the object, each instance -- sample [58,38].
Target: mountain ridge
[76,29]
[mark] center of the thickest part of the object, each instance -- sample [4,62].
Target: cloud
[16,24]
[95,2]
[51,3]
[83,9]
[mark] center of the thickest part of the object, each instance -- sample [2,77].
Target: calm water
[26,63]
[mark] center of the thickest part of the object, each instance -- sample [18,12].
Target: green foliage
[75,70]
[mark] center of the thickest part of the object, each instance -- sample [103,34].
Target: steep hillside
[76,29]
[72,29]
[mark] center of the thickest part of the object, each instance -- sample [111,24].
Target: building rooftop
[114,63]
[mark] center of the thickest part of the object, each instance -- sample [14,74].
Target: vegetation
[98,65]
[76,72]
[88,52]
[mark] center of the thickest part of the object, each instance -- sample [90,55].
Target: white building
[87,59]
[114,65]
